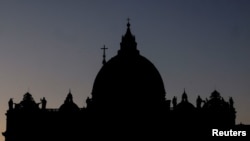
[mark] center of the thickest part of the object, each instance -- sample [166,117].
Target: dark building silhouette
[128,99]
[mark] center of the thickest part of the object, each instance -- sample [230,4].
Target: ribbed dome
[128,79]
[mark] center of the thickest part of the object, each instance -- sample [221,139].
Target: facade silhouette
[128,99]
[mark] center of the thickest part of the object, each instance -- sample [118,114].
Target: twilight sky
[48,47]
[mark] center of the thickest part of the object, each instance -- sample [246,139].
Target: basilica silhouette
[128,99]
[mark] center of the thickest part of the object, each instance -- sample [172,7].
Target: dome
[69,105]
[219,112]
[128,78]
[27,103]
[184,105]
[216,102]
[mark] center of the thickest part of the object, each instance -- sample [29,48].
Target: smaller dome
[69,105]
[215,94]
[216,102]
[27,103]
[184,105]
[218,112]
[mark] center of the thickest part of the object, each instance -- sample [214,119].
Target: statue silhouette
[44,102]
[11,104]
[198,102]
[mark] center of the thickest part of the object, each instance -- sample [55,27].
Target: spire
[104,55]
[128,44]
[128,24]
[184,96]
[128,33]
[69,97]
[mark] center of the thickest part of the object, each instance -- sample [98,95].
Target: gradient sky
[50,46]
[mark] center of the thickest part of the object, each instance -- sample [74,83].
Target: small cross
[104,54]
[104,49]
